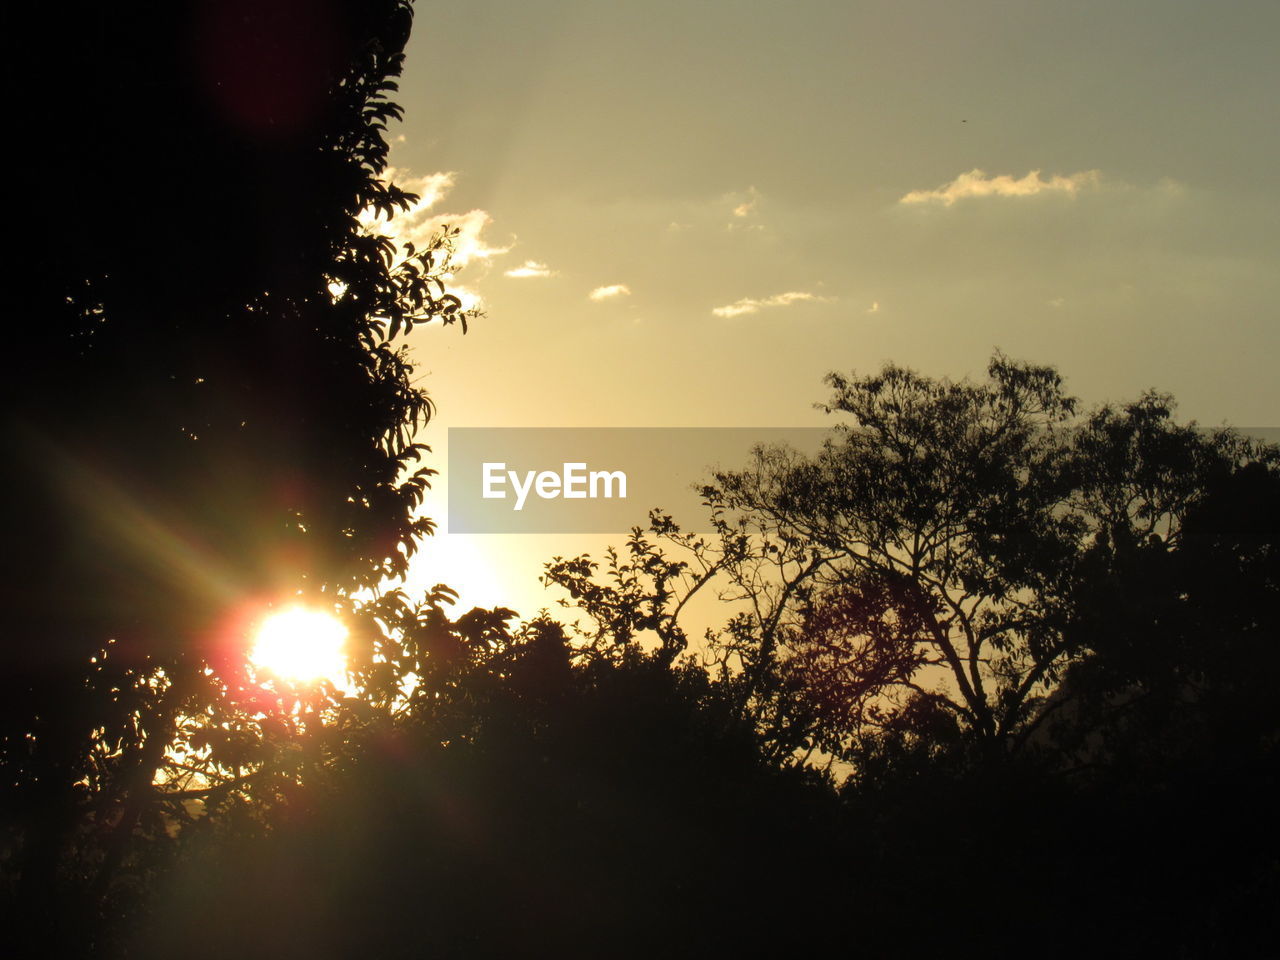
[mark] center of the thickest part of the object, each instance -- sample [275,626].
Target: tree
[521,792]
[1181,646]
[1039,644]
[207,404]
[920,582]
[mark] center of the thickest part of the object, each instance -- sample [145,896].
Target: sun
[301,645]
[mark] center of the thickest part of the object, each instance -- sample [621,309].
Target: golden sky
[685,214]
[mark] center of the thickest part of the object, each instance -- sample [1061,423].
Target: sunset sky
[686,214]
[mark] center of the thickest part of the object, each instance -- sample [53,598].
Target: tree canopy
[206,407]
[926,576]
[1031,645]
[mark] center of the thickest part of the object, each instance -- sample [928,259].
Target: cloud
[874,308]
[744,210]
[748,206]
[614,290]
[976,183]
[418,225]
[431,188]
[468,244]
[530,268]
[470,299]
[749,305]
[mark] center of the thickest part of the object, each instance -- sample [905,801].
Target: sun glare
[301,645]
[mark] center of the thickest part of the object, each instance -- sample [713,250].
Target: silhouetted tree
[922,578]
[1182,642]
[523,797]
[204,404]
[1039,644]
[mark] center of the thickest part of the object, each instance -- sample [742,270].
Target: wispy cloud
[874,308]
[470,299]
[530,268]
[744,211]
[431,189]
[469,244]
[613,290]
[976,183]
[418,224]
[750,305]
[747,207]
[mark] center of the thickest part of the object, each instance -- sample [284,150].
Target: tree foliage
[1036,646]
[207,408]
[925,577]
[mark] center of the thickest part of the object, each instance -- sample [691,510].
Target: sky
[682,214]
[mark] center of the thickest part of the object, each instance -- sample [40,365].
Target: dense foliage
[204,407]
